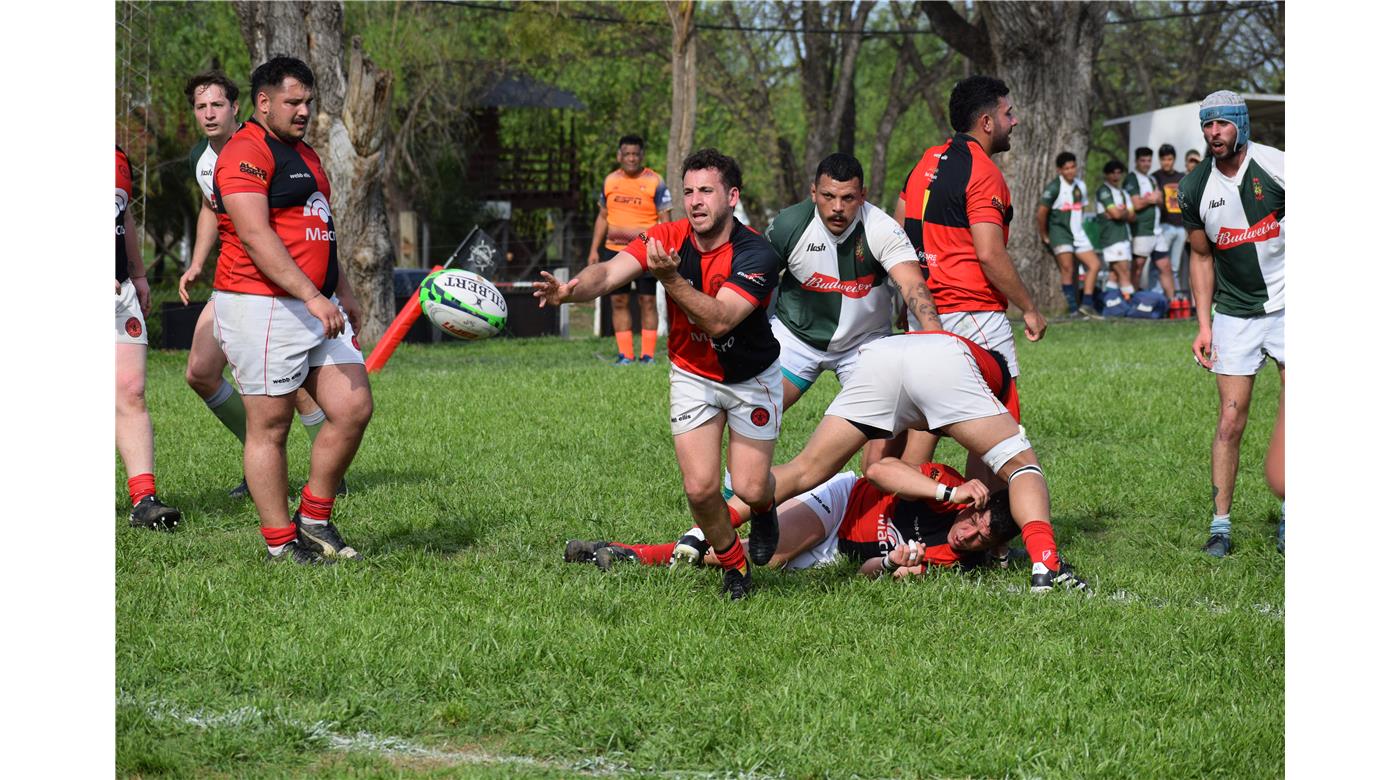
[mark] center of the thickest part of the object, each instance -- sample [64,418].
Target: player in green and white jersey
[1145,196]
[1233,208]
[1115,236]
[1060,218]
[842,260]
[214,98]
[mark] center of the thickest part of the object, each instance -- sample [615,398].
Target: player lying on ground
[855,518]
[939,382]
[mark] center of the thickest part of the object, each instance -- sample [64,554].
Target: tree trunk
[1045,54]
[347,132]
[828,63]
[683,89]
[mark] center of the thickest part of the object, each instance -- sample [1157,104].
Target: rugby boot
[581,550]
[294,552]
[241,490]
[1044,579]
[622,361]
[690,549]
[738,584]
[152,514]
[646,360]
[763,536]
[324,540]
[612,554]
[1218,545]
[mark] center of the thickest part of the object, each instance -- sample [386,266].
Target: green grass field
[464,646]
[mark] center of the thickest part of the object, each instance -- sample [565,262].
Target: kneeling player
[939,382]
[854,517]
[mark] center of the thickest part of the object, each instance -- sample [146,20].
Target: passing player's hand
[328,313]
[972,492]
[662,264]
[143,294]
[191,274]
[1202,349]
[551,292]
[1035,325]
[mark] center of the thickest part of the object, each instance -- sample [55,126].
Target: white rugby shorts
[803,363]
[1142,245]
[1239,345]
[754,406]
[131,326]
[1118,252]
[1081,244]
[273,343]
[919,381]
[990,330]
[828,500]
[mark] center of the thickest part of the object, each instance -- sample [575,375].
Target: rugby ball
[462,304]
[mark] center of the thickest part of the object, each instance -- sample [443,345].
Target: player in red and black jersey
[856,518]
[135,439]
[718,275]
[946,384]
[281,309]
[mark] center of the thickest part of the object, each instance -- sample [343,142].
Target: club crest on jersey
[1258,189]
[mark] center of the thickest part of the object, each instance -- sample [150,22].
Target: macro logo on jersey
[317,205]
[1263,230]
[121,206]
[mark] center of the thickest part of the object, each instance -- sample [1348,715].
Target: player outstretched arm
[590,283]
[905,559]
[1203,290]
[893,475]
[715,316]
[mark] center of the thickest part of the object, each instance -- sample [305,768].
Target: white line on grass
[366,742]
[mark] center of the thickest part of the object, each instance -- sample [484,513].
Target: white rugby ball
[463,304]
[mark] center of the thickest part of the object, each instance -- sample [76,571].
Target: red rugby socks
[140,486]
[1040,544]
[315,510]
[648,342]
[650,554]
[624,344]
[277,538]
[733,557]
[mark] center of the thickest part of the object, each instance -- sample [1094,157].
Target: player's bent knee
[1001,453]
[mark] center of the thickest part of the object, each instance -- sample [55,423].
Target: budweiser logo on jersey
[851,288]
[1263,230]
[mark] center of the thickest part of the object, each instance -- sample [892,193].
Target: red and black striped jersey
[123,201]
[746,264]
[954,187]
[876,521]
[299,207]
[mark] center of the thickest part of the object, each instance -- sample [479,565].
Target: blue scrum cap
[1229,107]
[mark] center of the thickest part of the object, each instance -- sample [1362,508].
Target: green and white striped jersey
[1111,231]
[835,290]
[1141,184]
[1242,217]
[1066,201]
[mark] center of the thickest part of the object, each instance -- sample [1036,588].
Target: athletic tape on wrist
[889,565]
[942,493]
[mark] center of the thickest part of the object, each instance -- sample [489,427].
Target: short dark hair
[840,167]
[1065,157]
[274,71]
[1003,526]
[1166,150]
[631,140]
[729,172]
[972,96]
[1190,152]
[1113,165]
[1142,151]
[211,78]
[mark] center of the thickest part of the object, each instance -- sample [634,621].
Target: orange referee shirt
[634,203]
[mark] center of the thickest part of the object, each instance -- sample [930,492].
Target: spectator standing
[1060,218]
[1145,196]
[1171,232]
[1116,233]
[633,199]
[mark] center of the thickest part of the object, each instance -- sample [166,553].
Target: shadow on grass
[444,536]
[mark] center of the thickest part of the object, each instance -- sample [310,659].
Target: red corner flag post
[397,330]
